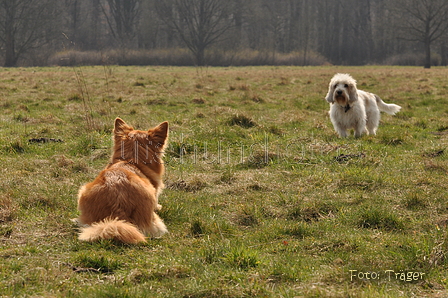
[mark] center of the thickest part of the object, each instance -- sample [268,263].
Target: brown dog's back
[121,202]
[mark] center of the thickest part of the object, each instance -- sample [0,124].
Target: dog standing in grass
[121,202]
[351,108]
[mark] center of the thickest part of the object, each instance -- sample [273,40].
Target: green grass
[262,198]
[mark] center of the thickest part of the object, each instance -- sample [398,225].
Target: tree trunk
[427,39]
[443,54]
[427,54]
[200,56]
[10,55]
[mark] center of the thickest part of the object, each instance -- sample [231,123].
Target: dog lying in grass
[353,108]
[120,203]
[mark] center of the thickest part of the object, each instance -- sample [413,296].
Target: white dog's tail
[389,108]
[116,229]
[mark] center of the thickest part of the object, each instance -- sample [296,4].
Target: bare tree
[73,8]
[444,50]
[343,31]
[199,23]
[122,17]
[94,39]
[25,26]
[423,21]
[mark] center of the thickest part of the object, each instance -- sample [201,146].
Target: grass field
[262,198]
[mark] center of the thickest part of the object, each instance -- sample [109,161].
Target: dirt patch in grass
[193,185]
[242,121]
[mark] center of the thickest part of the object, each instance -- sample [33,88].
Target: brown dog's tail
[115,229]
[389,108]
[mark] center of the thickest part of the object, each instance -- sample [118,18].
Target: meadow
[262,198]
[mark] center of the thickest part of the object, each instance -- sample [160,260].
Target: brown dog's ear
[352,93]
[160,133]
[329,96]
[120,127]
[119,122]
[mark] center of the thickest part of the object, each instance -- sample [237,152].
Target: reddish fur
[120,203]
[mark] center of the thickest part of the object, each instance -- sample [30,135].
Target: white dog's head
[342,91]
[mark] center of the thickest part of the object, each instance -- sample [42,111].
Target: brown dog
[120,203]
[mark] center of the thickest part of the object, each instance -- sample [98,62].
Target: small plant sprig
[85,97]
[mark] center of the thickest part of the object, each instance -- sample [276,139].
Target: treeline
[223,32]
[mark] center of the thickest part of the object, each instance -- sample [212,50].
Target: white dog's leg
[373,120]
[372,126]
[360,128]
[372,130]
[342,132]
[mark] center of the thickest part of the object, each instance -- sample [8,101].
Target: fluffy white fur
[351,108]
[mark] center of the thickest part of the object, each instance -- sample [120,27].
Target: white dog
[353,108]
